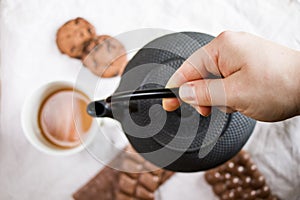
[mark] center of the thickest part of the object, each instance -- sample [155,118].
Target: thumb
[206,92]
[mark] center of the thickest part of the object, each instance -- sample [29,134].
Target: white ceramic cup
[30,124]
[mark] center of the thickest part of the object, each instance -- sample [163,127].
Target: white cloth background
[30,58]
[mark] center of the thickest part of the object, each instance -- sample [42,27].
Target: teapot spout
[99,109]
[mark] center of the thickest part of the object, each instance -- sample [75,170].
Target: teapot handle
[144,94]
[102,108]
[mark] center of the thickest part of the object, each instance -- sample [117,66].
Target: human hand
[260,78]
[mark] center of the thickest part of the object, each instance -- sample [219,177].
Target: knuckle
[226,35]
[205,94]
[195,88]
[229,38]
[201,93]
[233,95]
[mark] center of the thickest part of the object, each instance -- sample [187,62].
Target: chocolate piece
[258,182]
[230,166]
[244,158]
[210,177]
[105,56]
[219,188]
[248,194]
[264,192]
[71,37]
[246,180]
[149,181]
[143,193]
[127,184]
[100,187]
[122,196]
[227,176]
[233,183]
[142,185]
[240,170]
[217,177]
[237,192]
[225,195]
[111,184]
[239,178]
[131,165]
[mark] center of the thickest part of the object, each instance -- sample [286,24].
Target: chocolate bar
[239,178]
[111,184]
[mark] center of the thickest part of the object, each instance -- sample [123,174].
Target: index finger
[196,67]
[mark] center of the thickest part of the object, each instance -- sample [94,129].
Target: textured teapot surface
[181,140]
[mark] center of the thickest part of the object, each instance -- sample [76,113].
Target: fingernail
[187,94]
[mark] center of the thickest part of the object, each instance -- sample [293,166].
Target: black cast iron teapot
[181,140]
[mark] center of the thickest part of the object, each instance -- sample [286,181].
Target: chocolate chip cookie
[105,56]
[71,37]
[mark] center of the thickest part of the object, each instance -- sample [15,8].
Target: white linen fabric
[30,58]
